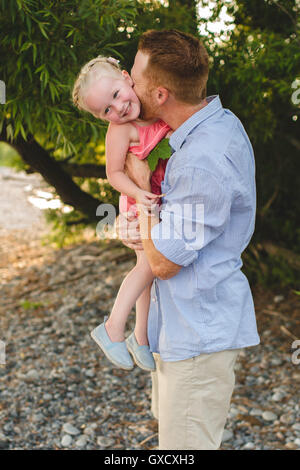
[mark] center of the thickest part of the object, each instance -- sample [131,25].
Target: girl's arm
[116,146]
[118,138]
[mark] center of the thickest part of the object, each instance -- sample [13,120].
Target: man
[201,311]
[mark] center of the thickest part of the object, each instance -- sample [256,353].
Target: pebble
[70,429]
[256,412]
[66,440]
[227,435]
[248,446]
[81,441]
[105,442]
[277,396]
[269,416]
[32,376]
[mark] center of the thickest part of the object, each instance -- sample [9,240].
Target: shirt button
[153,299]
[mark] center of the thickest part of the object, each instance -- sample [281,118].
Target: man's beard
[148,112]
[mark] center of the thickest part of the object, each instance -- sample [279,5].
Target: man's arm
[162,267]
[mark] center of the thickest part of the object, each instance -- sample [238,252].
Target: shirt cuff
[175,250]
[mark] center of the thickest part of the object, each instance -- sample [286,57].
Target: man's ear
[161,95]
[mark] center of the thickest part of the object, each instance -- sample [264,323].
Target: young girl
[107,92]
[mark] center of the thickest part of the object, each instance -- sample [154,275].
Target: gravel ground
[58,391]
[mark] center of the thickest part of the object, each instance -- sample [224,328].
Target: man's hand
[127,229]
[138,171]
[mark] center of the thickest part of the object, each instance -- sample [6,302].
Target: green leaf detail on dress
[162,150]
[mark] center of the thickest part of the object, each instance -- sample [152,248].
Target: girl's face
[113,99]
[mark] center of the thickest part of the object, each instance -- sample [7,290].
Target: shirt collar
[178,137]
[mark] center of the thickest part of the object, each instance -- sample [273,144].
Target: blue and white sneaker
[141,354]
[116,351]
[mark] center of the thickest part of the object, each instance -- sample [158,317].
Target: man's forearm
[160,265]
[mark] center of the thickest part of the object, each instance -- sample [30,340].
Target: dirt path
[22,224]
[54,375]
[17,213]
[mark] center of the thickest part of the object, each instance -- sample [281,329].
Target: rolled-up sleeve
[195,211]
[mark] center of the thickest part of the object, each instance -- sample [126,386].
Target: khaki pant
[191,399]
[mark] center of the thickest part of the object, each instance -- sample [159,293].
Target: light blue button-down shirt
[207,220]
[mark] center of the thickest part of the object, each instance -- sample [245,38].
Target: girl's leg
[142,308]
[131,288]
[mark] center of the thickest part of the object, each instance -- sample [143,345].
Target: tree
[253,70]
[43,46]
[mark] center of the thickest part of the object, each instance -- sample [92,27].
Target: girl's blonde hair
[92,71]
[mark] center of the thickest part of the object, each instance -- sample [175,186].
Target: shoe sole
[138,363]
[116,363]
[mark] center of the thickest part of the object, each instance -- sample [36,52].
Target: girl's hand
[146,198]
[147,203]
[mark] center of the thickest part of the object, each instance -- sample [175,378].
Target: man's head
[169,63]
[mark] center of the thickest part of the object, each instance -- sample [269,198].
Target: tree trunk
[84,170]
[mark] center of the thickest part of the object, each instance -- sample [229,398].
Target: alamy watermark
[296,353]
[180,222]
[295,98]
[2,352]
[2,92]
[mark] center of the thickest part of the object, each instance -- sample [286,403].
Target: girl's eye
[116,94]
[106,110]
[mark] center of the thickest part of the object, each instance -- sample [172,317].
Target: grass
[10,157]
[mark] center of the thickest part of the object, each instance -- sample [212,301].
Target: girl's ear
[127,76]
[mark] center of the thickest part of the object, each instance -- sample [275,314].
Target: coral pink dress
[149,137]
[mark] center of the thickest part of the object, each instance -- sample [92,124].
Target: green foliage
[162,150]
[9,157]
[253,70]
[268,271]
[28,305]
[63,230]
[43,46]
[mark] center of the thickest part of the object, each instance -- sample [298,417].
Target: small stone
[32,376]
[90,430]
[269,416]
[277,396]
[37,418]
[47,396]
[81,441]
[291,445]
[106,442]
[286,418]
[233,412]
[256,412]
[296,427]
[70,429]
[90,373]
[249,446]
[276,361]
[227,435]
[66,440]
[278,298]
